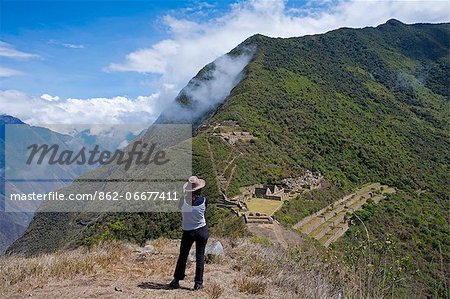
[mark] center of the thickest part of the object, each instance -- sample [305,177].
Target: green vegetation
[367,211]
[261,205]
[140,227]
[359,106]
[307,204]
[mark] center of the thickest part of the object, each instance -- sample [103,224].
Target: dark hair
[196,193]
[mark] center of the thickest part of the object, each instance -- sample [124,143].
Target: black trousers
[200,237]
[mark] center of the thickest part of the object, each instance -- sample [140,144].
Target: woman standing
[193,208]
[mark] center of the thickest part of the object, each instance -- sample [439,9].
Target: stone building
[269,192]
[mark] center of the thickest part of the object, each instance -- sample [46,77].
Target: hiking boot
[174,284]
[198,286]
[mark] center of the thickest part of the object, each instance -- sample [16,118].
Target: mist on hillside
[208,89]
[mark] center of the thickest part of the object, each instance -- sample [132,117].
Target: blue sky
[75,40]
[122,61]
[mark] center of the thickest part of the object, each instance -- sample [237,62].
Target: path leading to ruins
[230,162]
[213,163]
[227,182]
[279,235]
[331,222]
[222,182]
[230,178]
[276,233]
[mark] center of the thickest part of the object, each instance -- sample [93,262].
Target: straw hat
[193,184]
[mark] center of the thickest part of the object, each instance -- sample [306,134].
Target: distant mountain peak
[8,119]
[394,22]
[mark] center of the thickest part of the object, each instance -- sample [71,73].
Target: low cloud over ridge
[49,109]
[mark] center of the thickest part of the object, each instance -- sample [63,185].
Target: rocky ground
[245,270]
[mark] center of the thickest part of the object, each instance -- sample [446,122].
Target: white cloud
[154,59]
[66,45]
[72,46]
[7,72]
[8,51]
[194,44]
[223,75]
[49,109]
[49,98]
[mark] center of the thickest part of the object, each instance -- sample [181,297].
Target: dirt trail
[279,235]
[276,234]
[213,163]
[230,178]
[222,182]
[231,162]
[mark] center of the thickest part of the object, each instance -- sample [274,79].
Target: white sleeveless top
[193,216]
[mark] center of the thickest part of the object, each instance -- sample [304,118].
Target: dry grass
[213,290]
[214,259]
[255,264]
[252,286]
[247,268]
[20,273]
[302,271]
[306,271]
[263,240]
[162,243]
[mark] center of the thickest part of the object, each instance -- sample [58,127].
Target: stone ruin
[310,180]
[269,192]
[216,125]
[234,133]
[254,217]
[233,137]
[228,123]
